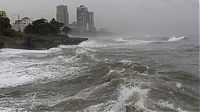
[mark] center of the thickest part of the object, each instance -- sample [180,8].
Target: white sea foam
[102,107]
[23,72]
[67,46]
[172,39]
[131,96]
[178,84]
[94,108]
[9,53]
[137,42]
[166,104]
[126,61]
[92,43]
[120,40]
[20,67]
[53,50]
[4,109]
[134,96]
[169,105]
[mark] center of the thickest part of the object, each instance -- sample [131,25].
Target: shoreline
[38,42]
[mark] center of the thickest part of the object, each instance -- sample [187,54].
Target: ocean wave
[120,40]
[19,67]
[92,43]
[72,78]
[173,39]
[4,109]
[169,105]
[117,42]
[131,41]
[131,99]
[138,42]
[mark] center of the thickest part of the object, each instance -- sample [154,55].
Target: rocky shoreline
[38,42]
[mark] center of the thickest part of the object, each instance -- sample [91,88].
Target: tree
[29,29]
[66,30]
[4,23]
[6,28]
[43,27]
[55,26]
[9,32]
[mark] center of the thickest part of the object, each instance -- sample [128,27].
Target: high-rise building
[91,21]
[3,14]
[62,15]
[85,19]
[82,18]
[20,25]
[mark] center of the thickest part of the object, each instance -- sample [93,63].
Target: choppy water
[118,74]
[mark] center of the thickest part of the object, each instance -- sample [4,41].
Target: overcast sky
[145,17]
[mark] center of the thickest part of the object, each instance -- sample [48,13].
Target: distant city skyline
[167,17]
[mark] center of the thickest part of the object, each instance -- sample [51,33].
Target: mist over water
[117,74]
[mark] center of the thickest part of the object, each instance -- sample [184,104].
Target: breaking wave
[172,39]
[92,44]
[131,99]
[120,40]
[82,79]
[19,67]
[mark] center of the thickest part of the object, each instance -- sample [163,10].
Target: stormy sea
[105,74]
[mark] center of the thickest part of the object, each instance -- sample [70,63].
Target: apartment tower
[91,21]
[85,19]
[82,18]
[62,15]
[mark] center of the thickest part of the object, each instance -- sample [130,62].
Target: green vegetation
[6,28]
[43,27]
[66,30]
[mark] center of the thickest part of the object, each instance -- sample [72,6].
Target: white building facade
[20,25]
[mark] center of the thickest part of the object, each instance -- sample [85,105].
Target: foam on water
[20,67]
[178,84]
[126,61]
[169,105]
[19,73]
[102,107]
[92,43]
[134,96]
[66,63]
[131,41]
[172,39]
[166,104]
[9,110]
[138,42]
[116,43]
[120,40]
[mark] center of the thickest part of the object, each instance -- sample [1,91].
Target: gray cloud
[172,17]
